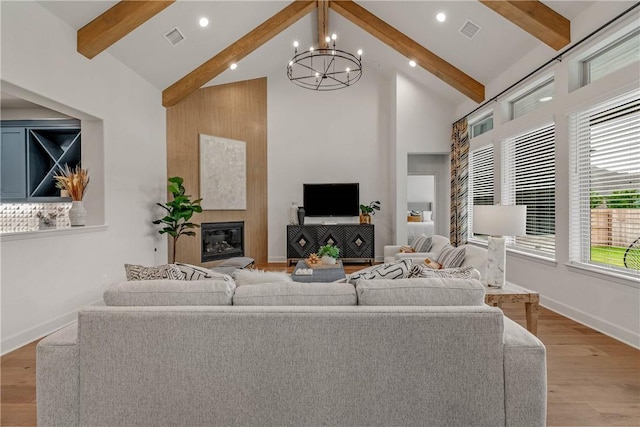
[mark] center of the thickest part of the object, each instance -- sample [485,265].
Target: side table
[512,293]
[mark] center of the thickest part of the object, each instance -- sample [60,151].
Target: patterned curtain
[459,184]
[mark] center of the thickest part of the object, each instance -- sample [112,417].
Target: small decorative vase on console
[301,215]
[365,219]
[77,214]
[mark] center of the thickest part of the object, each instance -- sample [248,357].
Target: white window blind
[528,178]
[480,183]
[616,55]
[533,99]
[605,185]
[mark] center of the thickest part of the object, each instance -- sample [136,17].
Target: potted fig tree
[179,212]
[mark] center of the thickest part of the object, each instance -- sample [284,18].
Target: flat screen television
[331,199]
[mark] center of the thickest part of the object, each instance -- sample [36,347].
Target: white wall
[325,137]
[421,188]
[422,126]
[30,114]
[599,301]
[46,278]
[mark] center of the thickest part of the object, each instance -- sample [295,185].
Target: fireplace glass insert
[222,240]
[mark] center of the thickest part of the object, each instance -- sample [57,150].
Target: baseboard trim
[42,330]
[614,331]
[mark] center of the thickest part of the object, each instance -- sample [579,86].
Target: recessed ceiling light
[441,17]
[412,63]
[233,66]
[204,22]
[546,98]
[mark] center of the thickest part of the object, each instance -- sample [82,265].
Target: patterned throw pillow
[448,273]
[391,270]
[194,272]
[422,243]
[451,257]
[140,272]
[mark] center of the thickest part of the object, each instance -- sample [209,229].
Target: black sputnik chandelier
[324,69]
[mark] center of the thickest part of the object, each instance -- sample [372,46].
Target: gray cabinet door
[13,164]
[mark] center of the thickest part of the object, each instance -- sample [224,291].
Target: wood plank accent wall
[235,111]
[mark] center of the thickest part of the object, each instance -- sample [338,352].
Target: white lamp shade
[500,220]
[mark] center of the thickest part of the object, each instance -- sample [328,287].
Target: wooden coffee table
[512,293]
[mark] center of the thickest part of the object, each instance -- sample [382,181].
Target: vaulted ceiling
[390,32]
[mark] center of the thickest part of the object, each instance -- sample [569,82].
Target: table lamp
[498,221]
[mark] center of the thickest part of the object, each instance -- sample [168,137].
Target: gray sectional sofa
[407,352]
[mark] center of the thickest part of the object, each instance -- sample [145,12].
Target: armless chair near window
[498,221]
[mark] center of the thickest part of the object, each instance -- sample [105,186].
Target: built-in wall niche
[33,152]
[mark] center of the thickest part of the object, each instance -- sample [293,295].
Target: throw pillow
[451,257]
[448,273]
[422,243]
[406,249]
[194,272]
[432,264]
[140,272]
[391,270]
[254,277]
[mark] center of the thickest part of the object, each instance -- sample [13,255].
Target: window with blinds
[616,55]
[528,178]
[533,99]
[480,184]
[605,185]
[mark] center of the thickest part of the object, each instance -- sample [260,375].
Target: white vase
[326,259]
[77,214]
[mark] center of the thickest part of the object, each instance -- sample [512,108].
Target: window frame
[470,196]
[534,89]
[580,191]
[585,70]
[475,122]
[509,190]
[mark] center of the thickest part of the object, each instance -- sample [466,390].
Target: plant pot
[365,219]
[77,214]
[327,260]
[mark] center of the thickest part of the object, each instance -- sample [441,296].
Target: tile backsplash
[17,217]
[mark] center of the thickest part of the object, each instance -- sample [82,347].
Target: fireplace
[222,240]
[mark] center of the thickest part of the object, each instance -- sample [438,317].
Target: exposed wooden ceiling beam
[323,23]
[537,19]
[235,52]
[116,23]
[410,48]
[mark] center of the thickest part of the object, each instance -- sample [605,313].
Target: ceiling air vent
[470,29]
[173,36]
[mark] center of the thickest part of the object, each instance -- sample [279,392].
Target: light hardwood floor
[593,380]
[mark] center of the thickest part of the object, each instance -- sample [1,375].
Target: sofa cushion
[422,243]
[169,292]
[194,272]
[422,271]
[295,293]
[427,291]
[255,277]
[390,270]
[451,257]
[141,272]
